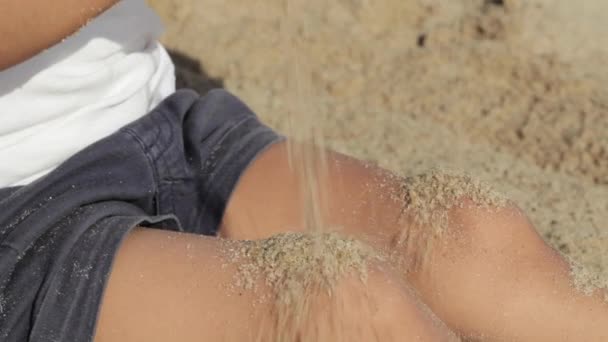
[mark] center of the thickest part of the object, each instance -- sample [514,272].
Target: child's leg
[167,286]
[490,275]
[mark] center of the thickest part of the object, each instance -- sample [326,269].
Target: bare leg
[175,287]
[491,276]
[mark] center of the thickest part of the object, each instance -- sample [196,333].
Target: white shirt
[110,73]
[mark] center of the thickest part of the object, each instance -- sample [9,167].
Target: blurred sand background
[514,92]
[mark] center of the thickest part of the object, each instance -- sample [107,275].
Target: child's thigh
[355,198]
[168,286]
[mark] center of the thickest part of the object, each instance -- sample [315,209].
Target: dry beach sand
[300,269]
[513,92]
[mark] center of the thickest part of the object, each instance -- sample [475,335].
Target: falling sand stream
[303,270]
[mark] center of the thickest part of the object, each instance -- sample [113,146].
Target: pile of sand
[429,196]
[291,263]
[298,268]
[515,94]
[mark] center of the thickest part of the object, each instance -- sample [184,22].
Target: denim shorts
[173,169]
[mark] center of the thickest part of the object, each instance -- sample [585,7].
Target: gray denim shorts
[173,169]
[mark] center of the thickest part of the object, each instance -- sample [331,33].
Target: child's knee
[326,287]
[398,314]
[497,228]
[439,208]
[382,308]
[447,214]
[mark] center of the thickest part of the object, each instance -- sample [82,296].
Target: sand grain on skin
[429,196]
[586,281]
[297,268]
[426,201]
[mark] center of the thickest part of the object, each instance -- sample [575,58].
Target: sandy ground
[516,94]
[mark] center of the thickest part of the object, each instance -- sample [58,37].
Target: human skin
[29,27]
[490,277]
[168,286]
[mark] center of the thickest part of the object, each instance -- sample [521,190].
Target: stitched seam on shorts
[145,151]
[170,179]
[215,171]
[212,182]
